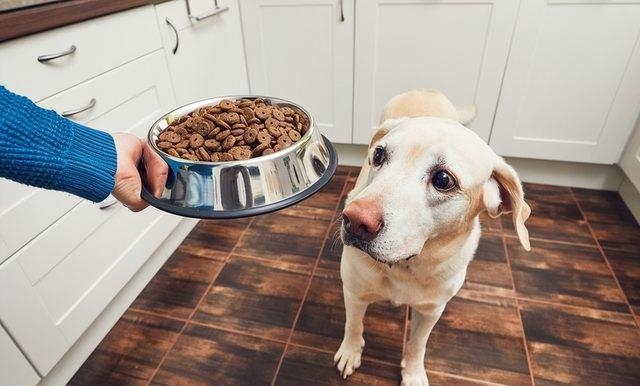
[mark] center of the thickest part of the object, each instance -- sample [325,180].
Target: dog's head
[426,180]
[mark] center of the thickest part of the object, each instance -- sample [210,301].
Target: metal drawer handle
[215,11]
[107,202]
[70,113]
[48,57]
[341,11]
[175,31]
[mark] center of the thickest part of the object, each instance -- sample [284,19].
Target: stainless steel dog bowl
[242,188]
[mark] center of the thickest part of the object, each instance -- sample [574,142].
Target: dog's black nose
[362,219]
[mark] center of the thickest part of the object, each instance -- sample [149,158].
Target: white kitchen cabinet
[55,286]
[85,50]
[14,367]
[630,161]
[206,57]
[571,89]
[459,47]
[303,51]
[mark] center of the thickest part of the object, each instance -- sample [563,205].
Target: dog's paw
[414,379]
[348,357]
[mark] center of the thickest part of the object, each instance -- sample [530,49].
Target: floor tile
[329,196]
[284,237]
[489,271]
[321,322]
[303,366]
[256,296]
[205,356]
[215,239]
[480,337]
[572,346]
[604,207]
[130,353]
[176,289]
[489,224]
[626,266]
[332,248]
[613,224]
[567,274]
[554,215]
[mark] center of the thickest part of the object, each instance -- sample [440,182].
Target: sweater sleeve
[39,147]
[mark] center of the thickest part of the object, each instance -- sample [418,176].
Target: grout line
[604,255]
[461,377]
[550,241]
[406,329]
[204,295]
[306,291]
[524,336]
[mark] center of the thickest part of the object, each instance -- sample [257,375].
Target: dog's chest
[400,285]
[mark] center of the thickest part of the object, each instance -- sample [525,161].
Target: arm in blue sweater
[39,147]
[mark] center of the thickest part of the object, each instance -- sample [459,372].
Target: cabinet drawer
[47,317]
[101,44]
[143,93]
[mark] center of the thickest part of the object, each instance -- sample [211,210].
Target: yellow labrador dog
[410,225]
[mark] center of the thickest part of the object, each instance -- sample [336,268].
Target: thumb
[156,170]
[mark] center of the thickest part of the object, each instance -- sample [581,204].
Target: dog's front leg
[422,322]
[348,356]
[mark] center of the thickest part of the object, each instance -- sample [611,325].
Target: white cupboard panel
[571,91]
[303,51]
[209,58]
[14,367]
[459,47]
[101,44]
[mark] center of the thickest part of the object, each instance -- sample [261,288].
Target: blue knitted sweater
[39,147]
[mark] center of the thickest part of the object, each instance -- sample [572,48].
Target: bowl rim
[204,102]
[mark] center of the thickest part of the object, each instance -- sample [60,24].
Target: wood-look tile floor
[258,301]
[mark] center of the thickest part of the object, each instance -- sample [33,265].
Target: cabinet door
[14,367]
[209,58]
[458,47]
[303,51]
[53,288]
[630,161]
[570,90]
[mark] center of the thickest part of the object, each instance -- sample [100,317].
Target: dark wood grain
[565,274]
[578,328]
[27,21]
[130,353]
[206,356]
[480,337]
[260,297]
[574,346]
[553,208]
[321,322]
[177,288]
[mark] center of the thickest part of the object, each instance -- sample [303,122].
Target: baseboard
[84,346]
[631,197]
[581,175]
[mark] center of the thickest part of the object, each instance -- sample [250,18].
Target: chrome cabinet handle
[341,11]
[175,31]
[107,202]
[70,113]
[217,9]
[48,57]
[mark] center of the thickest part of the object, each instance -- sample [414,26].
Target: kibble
[233,130]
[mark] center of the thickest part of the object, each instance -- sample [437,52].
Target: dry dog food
[233,130]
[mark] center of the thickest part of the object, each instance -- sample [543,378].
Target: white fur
[438,231]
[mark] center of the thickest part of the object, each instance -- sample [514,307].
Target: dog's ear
[503,194]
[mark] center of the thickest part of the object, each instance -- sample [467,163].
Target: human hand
[130,149]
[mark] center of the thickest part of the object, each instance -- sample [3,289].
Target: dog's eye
[379,155]
[443,181]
